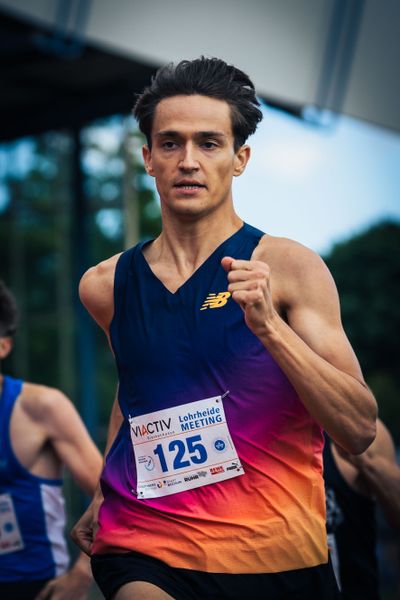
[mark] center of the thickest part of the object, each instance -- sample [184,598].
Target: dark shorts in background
[21,590]
[111,571]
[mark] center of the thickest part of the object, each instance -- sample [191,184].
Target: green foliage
[366,269]
[38,246]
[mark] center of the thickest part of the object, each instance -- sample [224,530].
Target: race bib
[10,535]
[183,447]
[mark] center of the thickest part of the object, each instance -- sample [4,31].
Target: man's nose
[188,160]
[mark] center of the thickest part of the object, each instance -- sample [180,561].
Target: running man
[355,486]
[231,359]
[40,433]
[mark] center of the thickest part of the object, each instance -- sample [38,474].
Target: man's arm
[84,531]
[96,291]
[311,347]
[68,437]
[380,472]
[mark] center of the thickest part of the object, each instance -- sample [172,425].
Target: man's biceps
[65,439]
[70,451]
[83,471]
[341,355]
[328,339]
[316,329]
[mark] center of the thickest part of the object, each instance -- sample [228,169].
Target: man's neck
[186,245]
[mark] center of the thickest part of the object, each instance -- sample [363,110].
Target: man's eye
[209,145]
[168,145]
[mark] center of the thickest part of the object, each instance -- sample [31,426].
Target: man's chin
[191,212]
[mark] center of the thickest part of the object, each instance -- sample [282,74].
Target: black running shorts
[112,571]
[21,590]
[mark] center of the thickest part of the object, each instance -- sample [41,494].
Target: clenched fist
[249,284]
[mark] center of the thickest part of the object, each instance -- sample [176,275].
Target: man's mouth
[189,185]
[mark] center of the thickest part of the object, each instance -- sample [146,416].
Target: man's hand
[249,284]
[84,532]
[73,585]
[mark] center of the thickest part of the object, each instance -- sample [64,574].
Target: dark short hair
[8,312]
[207,77]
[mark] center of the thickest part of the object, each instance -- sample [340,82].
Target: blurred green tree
[366,269]
[38,239]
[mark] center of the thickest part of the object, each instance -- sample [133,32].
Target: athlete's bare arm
[84,531]
[375,473]
[54,436]
[96,291]
[290,302]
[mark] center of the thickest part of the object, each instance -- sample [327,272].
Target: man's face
[192,156]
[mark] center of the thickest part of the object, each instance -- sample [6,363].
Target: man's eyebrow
[218,134]
[167,133]
[198,134]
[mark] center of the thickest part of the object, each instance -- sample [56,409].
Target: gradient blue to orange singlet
[170,352]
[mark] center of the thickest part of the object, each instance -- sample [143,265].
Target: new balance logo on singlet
[215,300]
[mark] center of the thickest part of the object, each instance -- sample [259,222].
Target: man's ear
[242,157]
[148,164]
[6,344]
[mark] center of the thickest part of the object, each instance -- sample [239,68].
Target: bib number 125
[184,453]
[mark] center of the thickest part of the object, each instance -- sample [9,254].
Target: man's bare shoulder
[38,400]
[292,264]
[98,279]
[96,290]
[285,253]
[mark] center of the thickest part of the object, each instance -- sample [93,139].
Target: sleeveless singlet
[32,516]
[352,530]
[173,349]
